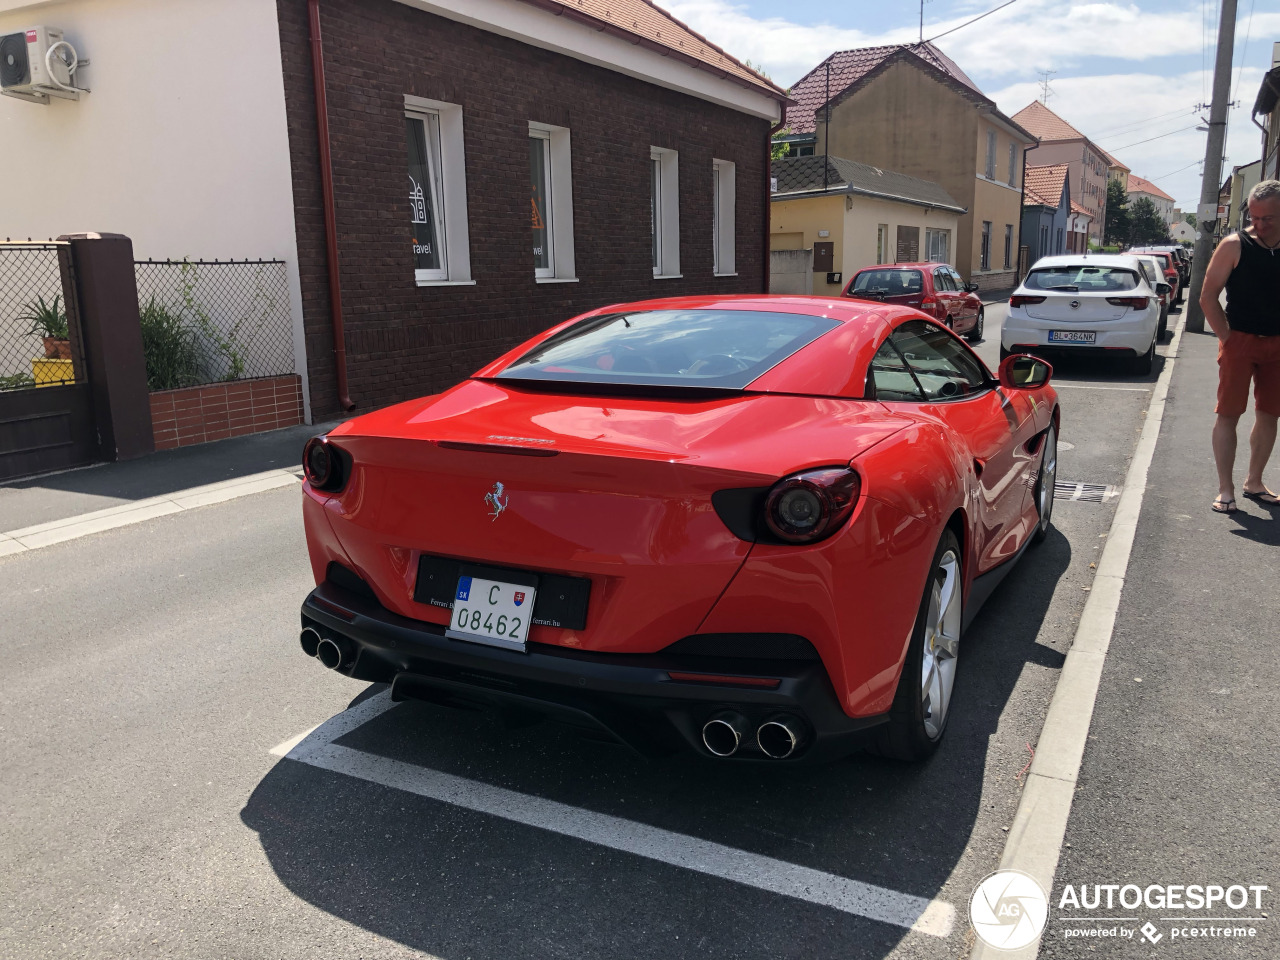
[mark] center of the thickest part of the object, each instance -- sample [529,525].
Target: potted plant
[49,322]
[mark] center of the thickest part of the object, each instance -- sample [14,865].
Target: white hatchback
[1084,304]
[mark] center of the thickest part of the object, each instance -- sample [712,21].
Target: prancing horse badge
[496,499]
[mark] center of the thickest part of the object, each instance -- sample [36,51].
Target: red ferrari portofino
[755,526]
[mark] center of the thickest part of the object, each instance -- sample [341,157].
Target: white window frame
[723,222]
[934,237]
[882,243]
[563,267]
[449,189]
[666,211]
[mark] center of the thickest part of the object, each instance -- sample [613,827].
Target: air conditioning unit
[36,64]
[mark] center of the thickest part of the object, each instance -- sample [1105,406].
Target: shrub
[172,354]
[47,319]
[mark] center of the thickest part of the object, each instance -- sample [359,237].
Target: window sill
[668,276]
[724,274]
[555,279]
[445,283]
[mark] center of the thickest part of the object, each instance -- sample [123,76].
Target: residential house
[1116,171]
[1046,208]
[1140,189]
[456,176]
[1243,179]
[1183,232]
[1078,225]
[845,215]
[1060,142]
[1267,106]
[911,109]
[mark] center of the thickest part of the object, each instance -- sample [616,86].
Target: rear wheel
[922,704]
[974,335]
[1046,480]
[1164,324]
[1141,364]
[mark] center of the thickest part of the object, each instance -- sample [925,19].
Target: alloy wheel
[1046,481]
[941,645]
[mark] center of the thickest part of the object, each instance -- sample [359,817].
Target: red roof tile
[848,67]
[1076,208]
[652,24]
[1138,185]
[1043,184]
[1045,124]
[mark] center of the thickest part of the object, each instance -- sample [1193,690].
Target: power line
[1244,52]
[1166,176]
[1131,126]
[1149,139]
[974,20]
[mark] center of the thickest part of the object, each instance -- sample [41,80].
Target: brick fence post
[107,303]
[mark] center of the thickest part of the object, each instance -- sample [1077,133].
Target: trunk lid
[1074,308]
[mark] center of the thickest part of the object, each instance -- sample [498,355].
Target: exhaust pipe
[310,640]
[779,737]
[334,652]
[723,734]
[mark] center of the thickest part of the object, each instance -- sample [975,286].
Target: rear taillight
[810,506]
[1138,303]
[1019,300]
[326,467]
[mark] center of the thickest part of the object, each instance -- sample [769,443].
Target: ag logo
[1008,910]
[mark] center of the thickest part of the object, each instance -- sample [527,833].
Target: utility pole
[1212,163]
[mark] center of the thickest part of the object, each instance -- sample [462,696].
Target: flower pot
[56,348]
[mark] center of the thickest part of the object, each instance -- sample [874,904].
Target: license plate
[493,612]
[1072,336]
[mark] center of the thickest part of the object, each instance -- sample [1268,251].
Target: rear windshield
[888,283]
[1081,279]
[722,349]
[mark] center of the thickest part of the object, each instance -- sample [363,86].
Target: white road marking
[122,515]
[1097,386]
[919,914]
[1040,824]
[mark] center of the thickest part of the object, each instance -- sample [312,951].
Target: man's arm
[1225,259]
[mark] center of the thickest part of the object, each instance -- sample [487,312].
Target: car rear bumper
[629,698]
[1128,335]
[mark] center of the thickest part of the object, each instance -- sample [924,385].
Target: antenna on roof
[922,3]
[1045,90]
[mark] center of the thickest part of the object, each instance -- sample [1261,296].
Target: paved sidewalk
[1181,777]
[59,496]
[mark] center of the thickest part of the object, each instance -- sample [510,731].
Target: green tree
[1146,225]
[1190,218]
[1115,229]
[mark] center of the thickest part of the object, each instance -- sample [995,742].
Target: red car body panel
[618,490]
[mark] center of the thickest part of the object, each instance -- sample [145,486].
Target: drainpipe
[768,189]
[330,213]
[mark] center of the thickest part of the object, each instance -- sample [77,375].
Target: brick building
[501,165]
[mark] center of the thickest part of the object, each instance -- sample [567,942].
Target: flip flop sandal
[1262,496]
[1224,506]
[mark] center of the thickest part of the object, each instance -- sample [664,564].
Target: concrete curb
[58,531]
[1040,824]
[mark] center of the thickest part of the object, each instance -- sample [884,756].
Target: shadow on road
[456,884]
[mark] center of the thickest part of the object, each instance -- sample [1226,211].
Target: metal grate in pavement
[1084,492]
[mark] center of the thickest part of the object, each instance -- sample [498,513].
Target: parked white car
[1084,305]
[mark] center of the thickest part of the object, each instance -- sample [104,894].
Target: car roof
[1089,259]
[916,264]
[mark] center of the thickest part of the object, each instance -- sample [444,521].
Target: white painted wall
[182,144]
[865,213]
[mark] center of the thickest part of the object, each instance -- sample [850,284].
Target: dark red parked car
[936,289]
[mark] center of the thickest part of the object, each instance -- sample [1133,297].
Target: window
[437,192]
[723,198]
[991,154]
[1013,164]
[937,245]
[888,282]
[944,369]
[1008,245]
[890,378]
[986,245]
[882,243]
[664,215]
[551,203]
[1082,278]
[942,280]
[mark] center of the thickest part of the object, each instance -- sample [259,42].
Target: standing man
[1247,264]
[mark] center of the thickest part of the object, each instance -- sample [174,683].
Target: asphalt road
[152,668]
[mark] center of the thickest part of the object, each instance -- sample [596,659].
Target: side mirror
[1163,289]
[970,288]
[1024,372]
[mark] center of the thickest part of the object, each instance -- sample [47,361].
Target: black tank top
[1253,289]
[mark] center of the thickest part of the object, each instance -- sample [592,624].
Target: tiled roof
[1138,185]
[810,92]
[1112,161]
[653,25]
[1077,208]
[1045,124]
[1043,185]
[804,174]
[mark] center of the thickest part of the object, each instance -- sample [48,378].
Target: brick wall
[216,411]
[405,341]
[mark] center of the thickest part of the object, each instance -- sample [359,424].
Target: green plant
[17,381]
[47,319]
[172,355]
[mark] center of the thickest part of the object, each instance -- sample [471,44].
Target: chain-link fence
[209,321]
[35,349]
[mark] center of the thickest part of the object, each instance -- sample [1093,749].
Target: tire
[1164,325]
[1141,365]
[949,324]
[1045,481]
[975,334]
[922,703]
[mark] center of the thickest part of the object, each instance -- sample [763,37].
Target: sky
[1127,75]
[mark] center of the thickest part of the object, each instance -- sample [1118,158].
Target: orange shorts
[1245,357]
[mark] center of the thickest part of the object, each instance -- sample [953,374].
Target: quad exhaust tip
[722,734]
[310,640]
[779,737]
[333,652]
